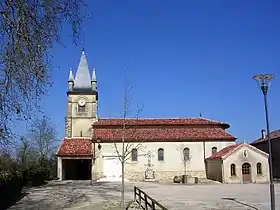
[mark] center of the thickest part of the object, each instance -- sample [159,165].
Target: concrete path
[106,196]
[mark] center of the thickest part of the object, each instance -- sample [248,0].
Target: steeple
[93,77]
[70,81]
[93,81]
[71,77]
[82,78]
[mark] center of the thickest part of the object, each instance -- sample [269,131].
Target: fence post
[146,202]
[139,194]
[134,193]
[153,205]
[149,203]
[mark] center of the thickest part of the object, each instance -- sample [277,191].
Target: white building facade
[238,163]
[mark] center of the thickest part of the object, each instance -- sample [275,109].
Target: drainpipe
[204,150]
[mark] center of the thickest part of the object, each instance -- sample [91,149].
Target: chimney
[263,134]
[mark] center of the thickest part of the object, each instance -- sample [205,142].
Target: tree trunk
[185,173]
[122,162]
[123,208]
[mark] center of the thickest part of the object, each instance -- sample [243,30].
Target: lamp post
[263,81]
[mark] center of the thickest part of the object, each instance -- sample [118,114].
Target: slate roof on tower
[82,78]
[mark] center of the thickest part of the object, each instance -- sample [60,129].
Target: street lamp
[263,81]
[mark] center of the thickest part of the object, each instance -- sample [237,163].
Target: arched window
[160,154]
[214,150]
[81,108]
[134,154]
[259,168]
[232,170]
[186,154]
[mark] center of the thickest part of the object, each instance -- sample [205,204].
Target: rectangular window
[232,170]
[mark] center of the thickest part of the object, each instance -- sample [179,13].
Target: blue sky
[183,58]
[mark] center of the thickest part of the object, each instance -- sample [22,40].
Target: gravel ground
[76,195]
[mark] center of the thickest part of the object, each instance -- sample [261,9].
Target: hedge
[10,189]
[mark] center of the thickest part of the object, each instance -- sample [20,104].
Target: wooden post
[134,193]
[139,198]
[146,202]
[153,205]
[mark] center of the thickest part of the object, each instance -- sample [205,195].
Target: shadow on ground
[242,203]
[70,194]
[8,203]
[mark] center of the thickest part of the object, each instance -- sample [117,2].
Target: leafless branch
[28,30]
[128,133]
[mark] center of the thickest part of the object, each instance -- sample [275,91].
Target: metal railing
[145,201]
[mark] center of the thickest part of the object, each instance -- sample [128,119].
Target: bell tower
[82,101]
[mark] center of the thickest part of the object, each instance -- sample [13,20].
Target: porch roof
[225,151]
[75,147]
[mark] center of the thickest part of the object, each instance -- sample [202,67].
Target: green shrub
[10,186]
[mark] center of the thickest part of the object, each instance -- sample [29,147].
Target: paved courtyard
[80,195]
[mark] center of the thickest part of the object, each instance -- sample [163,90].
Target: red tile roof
[273,136]
[162,134]
[230,149]
[159,121]
[75,147]
[225,151]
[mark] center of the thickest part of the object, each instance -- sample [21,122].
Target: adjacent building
[238,163]
[262,144]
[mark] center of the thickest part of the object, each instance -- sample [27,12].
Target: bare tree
[28,30]
[26,155]
[43,134]
[185,157]
[128,134]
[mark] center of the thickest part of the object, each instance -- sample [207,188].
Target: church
[155,149]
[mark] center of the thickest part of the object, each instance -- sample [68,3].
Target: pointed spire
[71,77]
[93,76]
[82,79]
[93,81]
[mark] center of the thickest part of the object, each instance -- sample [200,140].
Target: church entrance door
[246,173]
[112,169]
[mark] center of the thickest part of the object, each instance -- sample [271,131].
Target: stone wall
[164,176]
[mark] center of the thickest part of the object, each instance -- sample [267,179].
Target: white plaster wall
[173,155]
[59,168]
[253,158]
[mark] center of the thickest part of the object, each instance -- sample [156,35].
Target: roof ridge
[157,118]
[78,137]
